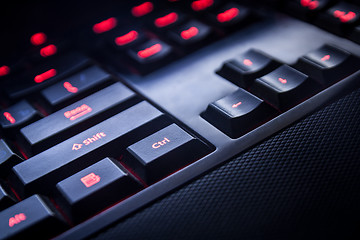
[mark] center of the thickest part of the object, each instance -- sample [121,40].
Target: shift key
[107,139]
[75,118]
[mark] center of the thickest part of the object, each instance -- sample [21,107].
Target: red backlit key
[48,50]
[106,139]
[142,9]
[75,118]
[229,15]
[79,194]
[284,87]
[38,38]
[105,25]
[17,116]
[32,218]
[125,38]
[74,87]
[190,33]
[151,51]
[203,5]
[328,64]
[249,65]
[168,19]
[4,70]
[8,158]
[163,152]
[238,113]
[306,9]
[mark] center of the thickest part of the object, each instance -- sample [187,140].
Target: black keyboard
[106,108]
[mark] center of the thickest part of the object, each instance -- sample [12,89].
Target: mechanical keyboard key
[328,64]
[94,188]
[149,52]
[107,139]
[74,87]
[204,5]
[284,87]
[33,217]
[238,113]
[8,158]
[229,15]
[17,116]
[163,152]
[75,118]
[243,70]
[124,38]
[306,9]
[168,19]
[190,33]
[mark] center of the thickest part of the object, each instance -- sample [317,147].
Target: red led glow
[166,20]
[45,76]
[228,15]
[18,218]
[126,38]
[247,62]
[142,9]
[4,70]
[325,58]
[70,88]
[150,51]
[201,5]
[236,105]
[311,4]
[282,80]
[38,38]
[189,33]
[105,25]
[344,17]
[9,117]
[48,50]
[90,179]
[78,112]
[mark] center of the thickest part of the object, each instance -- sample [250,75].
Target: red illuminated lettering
[45,76]
[4,70]
[282,80]
[236,104]
[247,62]
[142,9]
[94,138]
[38,39]
[325,58]
[77,146]
[10,118]
[228,15]
[90,179]
[343,16]
[189,33]
[127,38]
[150,51]
[309,4]
[70,88]
[201,5]
[18,218]
[48,50]
[105,25]
[160,143]
[78,112]
[166,20]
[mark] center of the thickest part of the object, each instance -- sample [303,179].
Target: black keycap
[340,18]
[6,200]
[107,138]
[49,72]
[17,116]
[190,33]
[328,64]
[200,6]
[94,188]
[306,9]
[243,70]
[238,113]
[229,15]
[75,118]
[74,87]
[163,152]
[32,218]
[8,159]
[284,87]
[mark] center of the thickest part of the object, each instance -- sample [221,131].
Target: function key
[284,87]
[229,15]
[238,113]
[33,217]
[8,158]
[79,194]
[163,152]
[190,33]
[328,64]
[249,65]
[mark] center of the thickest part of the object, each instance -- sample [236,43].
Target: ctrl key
[32,218]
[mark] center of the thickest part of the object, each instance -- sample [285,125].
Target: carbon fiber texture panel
[302,183]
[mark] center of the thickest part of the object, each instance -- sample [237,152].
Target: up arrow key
[76,146]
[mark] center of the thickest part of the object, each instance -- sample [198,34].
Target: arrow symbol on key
[236,104]
[76,146]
